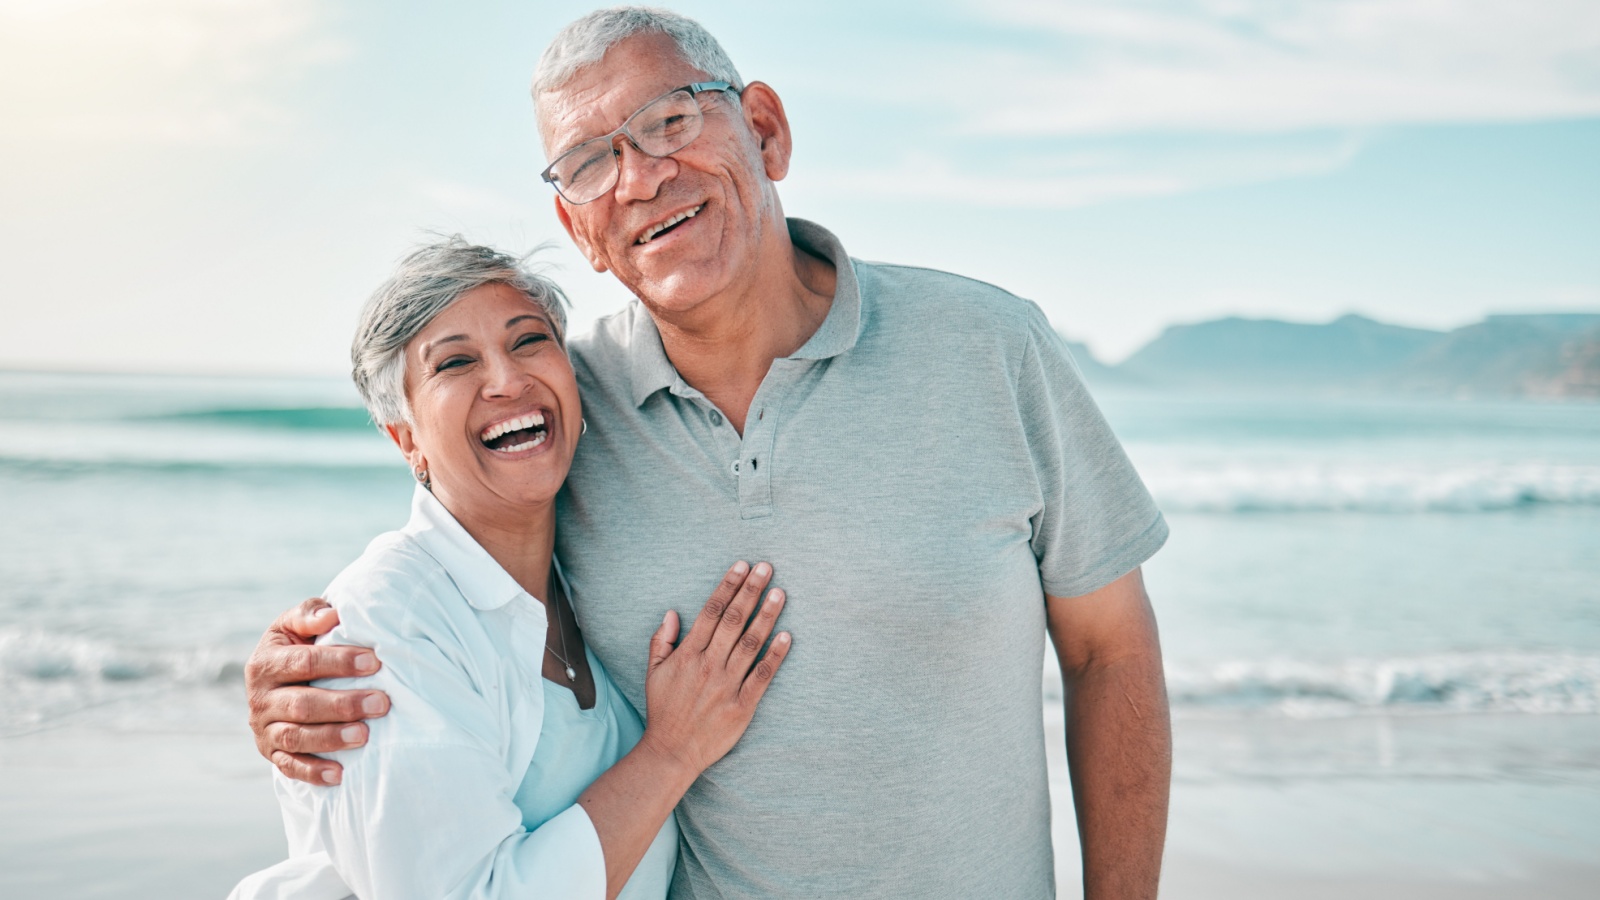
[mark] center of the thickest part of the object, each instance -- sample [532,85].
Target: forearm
[1119,751]
[628,805]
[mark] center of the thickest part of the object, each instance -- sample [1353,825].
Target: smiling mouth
[656,230]
[515,435]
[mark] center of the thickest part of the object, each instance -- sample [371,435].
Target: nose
[504,379]
[640,175]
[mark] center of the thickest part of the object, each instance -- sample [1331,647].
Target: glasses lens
[585,172]
[667,125]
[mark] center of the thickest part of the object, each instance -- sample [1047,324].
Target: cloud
[1119,67]
[1114,99]
[154,71]
[990,174]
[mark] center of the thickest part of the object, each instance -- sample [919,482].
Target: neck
[520,539]
[724,347]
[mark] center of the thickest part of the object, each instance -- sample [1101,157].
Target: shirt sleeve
[425,809]
[1097,521]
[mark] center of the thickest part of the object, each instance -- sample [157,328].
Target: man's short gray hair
[585,41]
[430,279]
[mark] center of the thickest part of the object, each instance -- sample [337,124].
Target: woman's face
[494,404]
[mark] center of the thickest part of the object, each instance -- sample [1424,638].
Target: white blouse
[435,804]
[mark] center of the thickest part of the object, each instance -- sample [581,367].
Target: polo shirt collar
[839,332]
[480,579]
[651,370]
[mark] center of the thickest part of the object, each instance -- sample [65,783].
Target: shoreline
[92,811]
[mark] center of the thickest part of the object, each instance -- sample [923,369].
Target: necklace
[572,675]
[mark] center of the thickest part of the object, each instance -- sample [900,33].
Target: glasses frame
[695,90]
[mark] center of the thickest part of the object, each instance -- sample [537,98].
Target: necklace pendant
[571,675]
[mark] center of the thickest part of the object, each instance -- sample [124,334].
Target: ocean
[1361,597]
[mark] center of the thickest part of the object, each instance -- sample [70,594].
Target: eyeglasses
[660,128]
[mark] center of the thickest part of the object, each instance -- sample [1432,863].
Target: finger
[737,615]
[661,641]
[744,652]
[308,620]
[316,706]
[705,624]
[301,739]
[755,684]
[307,768]
[270,667]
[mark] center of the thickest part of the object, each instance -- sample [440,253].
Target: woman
[509,765]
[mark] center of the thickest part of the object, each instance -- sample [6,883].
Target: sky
[216,185]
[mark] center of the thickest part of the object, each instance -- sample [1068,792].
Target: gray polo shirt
[920,474]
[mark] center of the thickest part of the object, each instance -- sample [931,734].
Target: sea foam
[1357,486]
[1490,682]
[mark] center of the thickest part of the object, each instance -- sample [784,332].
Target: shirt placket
[757,459]
[749,457]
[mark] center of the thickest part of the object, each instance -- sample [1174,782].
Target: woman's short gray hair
[429,280]
[585,41]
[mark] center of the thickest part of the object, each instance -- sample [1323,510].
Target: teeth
[525,445]
[528,421]
[657,229]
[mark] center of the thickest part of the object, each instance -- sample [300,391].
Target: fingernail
[350,734]
[763,570]
[741,567]
[330,776]
[775,597]
[782,638]
[322,612]
[366,662]
[372,704]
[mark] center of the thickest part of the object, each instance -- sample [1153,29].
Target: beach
[94,812]
[1379,619]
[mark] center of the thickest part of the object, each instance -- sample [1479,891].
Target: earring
[585,426]
[424,479]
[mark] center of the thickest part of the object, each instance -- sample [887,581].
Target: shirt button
[735,467]
[716,418]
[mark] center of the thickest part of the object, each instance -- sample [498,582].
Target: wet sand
[89,812]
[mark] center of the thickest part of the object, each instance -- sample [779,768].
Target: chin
[677,292]
[530,494]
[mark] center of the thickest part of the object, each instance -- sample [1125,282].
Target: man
[913,451]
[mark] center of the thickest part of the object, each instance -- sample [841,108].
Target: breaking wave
[46,656]
[1376,488]
[47,675]
[304,418]
[1450,683]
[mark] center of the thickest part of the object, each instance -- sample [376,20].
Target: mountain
[1095,372]
[1580,374]
[1543,355]
[1503,355]
[1264,352]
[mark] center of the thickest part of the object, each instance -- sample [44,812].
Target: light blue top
[578,745]
[466,788]
[921,473]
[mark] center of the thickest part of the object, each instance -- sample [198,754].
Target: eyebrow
[431,345]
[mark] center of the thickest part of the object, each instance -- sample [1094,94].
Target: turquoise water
[1330,558]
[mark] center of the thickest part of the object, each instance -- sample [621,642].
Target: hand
[701,695]
[291,721]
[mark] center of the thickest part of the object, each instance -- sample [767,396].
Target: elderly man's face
[724,177]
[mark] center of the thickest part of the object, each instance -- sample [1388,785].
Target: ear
[406,440]
[584,247]
[763,112]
